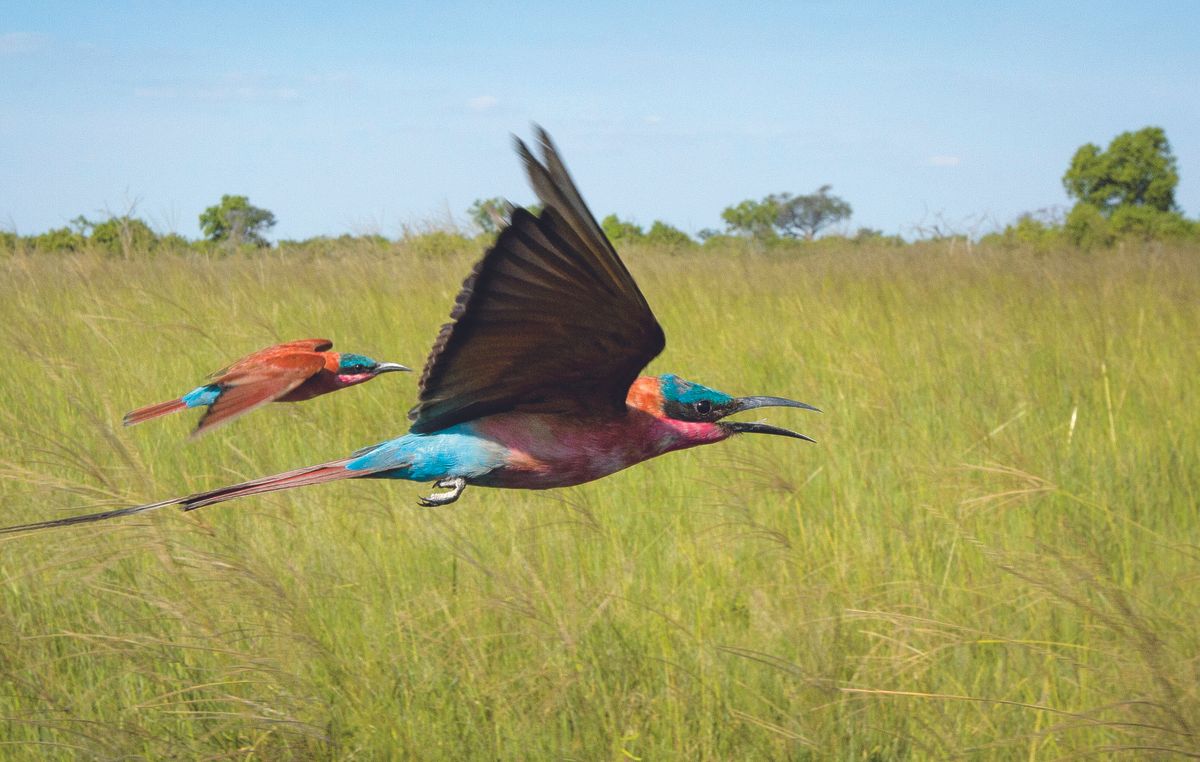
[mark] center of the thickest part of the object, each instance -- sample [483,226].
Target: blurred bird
[291,372]
[534,383]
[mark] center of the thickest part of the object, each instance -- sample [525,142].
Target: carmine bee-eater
[290,372]
[534,383]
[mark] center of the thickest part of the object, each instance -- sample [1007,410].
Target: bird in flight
[534,383]
[291,372]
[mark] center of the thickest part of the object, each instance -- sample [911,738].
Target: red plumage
[154,411]
[290,372]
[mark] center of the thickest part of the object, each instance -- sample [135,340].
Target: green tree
[662,234]
[237,221]
[620,232]
[58,240]
[1138,169]
[490,214]
[787,215]
[123,236]
[753,218]
[805,216]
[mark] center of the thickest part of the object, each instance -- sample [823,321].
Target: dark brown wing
[550,320]
[247,385]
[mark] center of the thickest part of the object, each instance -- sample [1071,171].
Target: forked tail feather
[301,477]
[153,411]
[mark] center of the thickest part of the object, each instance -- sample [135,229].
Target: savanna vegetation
[991,552]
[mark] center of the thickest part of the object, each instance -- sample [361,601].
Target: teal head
[354,369]
[682,400]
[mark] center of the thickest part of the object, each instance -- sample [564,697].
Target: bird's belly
[528,473]
[543,453]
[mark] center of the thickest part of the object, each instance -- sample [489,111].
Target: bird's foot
[456,487]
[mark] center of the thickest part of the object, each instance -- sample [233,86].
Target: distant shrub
[439,243]
[1145,223]
[57,241]
[173,243]
[219,249]
[9,242]
[725,244]
[798,246]
[122,236]
[1029,233]
[876,238]
[662,234]
[1087,228]
[620,231]
[343,244]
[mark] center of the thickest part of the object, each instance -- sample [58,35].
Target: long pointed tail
[325,472]
[153,411]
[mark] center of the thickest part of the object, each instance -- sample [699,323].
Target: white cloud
[944,161]
[17,43]
[653,119]
[483,103]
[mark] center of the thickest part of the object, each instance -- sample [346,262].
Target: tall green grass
[992,552]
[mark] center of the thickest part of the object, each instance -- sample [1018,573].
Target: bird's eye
[703,407]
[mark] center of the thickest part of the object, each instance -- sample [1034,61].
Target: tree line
[1124,192]
[233,222]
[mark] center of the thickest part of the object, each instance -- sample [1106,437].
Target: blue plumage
[202,396]
[675,389]
[351,363]
[456,451]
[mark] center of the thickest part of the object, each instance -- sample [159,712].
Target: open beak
[749,403]
[387,367]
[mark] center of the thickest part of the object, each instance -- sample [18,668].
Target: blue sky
[369,118]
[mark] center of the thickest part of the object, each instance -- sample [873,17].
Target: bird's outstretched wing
[550,320]
[258,379]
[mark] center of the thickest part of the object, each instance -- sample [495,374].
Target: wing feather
[256,380]
[549,320]
[275,350]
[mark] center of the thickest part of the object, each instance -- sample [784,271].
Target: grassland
[993,551]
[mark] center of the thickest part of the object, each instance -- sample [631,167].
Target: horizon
[383,117]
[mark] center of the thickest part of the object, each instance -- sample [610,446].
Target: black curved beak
[741,404]
[388,367]
[749,403]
